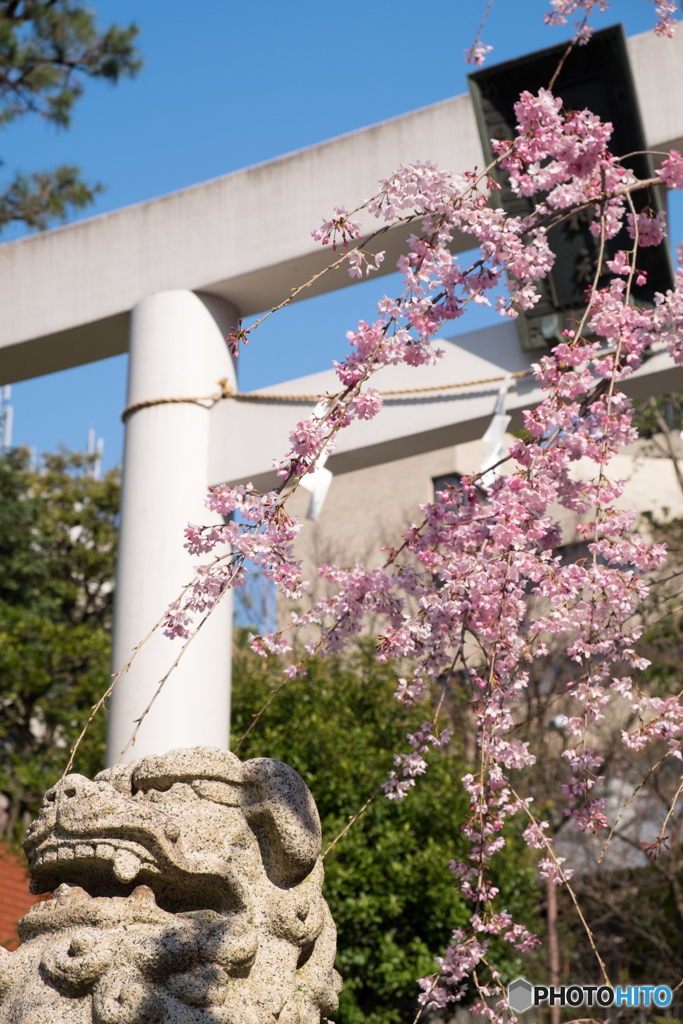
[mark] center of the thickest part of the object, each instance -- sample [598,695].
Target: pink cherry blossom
[671,171]
[651,227]
[666,23]
[476,53]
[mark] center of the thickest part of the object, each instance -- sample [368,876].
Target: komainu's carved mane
[187,890]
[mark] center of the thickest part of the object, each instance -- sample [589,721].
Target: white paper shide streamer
[494,435]
[318,479]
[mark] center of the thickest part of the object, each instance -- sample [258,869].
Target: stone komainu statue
[187,890]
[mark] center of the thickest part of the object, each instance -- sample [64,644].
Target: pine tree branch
[43,197]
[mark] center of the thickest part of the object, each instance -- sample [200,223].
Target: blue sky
[236,83]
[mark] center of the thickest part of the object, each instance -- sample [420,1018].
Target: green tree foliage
[387,880]
[47,49]
[57,556]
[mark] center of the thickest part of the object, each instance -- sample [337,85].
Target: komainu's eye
[219,792]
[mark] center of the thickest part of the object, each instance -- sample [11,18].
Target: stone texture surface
[187,890]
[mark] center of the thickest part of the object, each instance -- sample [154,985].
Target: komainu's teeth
[105,851]
[126,865]
[83,850]
[50,855]
[69,891]
[65,853]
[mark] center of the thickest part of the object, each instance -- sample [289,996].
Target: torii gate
[166,279]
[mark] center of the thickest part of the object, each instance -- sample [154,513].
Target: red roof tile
[15,898]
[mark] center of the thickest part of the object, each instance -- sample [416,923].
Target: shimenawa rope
[250,396]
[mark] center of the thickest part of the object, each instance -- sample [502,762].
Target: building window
[442,483]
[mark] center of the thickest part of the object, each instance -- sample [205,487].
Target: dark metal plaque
[596,76]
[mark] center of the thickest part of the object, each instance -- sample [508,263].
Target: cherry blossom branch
[353,819]
[671,810]
[114,679]
[163,680]
[564,876]
[628,803]
[476,53]
[670,452]
[343,225]
[382,788]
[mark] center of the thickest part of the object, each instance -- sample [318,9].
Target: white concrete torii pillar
[177,349]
